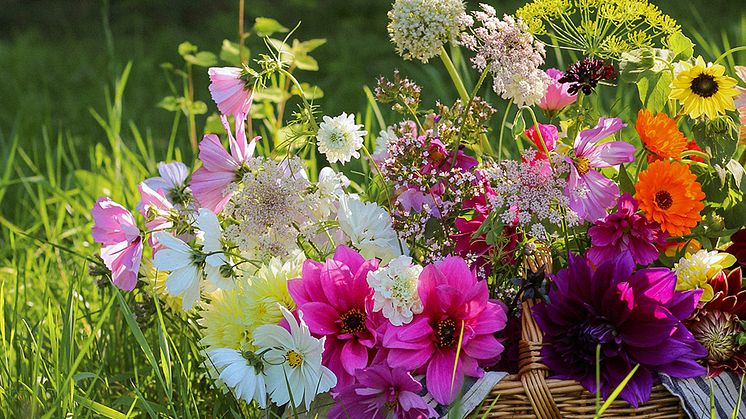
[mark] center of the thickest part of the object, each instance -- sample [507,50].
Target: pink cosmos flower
[172,179]
[625,230]
[380,393]
[219,168]
[557,96]
[455,304]
[232,94]
[591,193]
[115,228]
[337,302]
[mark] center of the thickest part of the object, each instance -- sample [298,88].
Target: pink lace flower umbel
[590,192]
[457,311]
[337,302]
[230,91]
[115,228]
[219,168]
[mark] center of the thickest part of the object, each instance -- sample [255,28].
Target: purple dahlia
[635,316]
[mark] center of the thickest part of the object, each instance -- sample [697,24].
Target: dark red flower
[585,74]
[738,248]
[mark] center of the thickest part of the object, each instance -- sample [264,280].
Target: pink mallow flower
[337,302]
[219,168]
[591,193]
[557,96]
[625,230]
[230,91]
[456,307]
[382,392]
[121,242]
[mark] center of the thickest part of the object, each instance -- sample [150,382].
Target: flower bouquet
[589,233]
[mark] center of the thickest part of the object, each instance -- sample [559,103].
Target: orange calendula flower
[669,194]
[660,135]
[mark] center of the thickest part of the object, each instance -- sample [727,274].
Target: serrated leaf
[186,48]
[654,89]
[681,46]
[264,26]
[202,59]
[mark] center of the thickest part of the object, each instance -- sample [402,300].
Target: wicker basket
[529,394]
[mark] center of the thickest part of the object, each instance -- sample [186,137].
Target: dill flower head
[513,54]
[340,138]
[419,28]
[704,89]
[628,24]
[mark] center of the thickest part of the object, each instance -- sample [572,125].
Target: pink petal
[354,356]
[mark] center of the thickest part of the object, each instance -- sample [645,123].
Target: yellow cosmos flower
[704,89]
[696,269]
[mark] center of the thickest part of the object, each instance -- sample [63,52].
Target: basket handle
[531,369]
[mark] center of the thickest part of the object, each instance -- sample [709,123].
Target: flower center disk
[704,85]
[445,333]
[663,199]
[294,359]
[353,321]
[583,165]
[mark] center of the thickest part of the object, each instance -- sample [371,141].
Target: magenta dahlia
[636,318]
[456,307]
[337,303]
[625,230]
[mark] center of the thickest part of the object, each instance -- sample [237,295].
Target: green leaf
[170,103]
[198,107]
[213,125]
[519,125]
[264,26]
[306,62]
[654,89]
[186,48]
[312,44]
[272,94]
[625,182]
[230,53]
[718,138]
[201,59]
[681,46]
[310,92]
[736,169]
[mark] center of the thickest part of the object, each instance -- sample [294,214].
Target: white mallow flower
[368,226]
[242,372]
[395,290]
[293,362]
[340,138]
[212,246]
[182,262]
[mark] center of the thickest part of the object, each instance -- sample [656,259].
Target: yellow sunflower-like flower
[696,269]
[704,89]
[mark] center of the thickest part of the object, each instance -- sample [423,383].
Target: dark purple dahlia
[585,74]
[635,316]
[738,248]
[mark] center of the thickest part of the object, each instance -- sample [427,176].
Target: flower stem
[729,52]
[463,94]
[502,130]
[466,113]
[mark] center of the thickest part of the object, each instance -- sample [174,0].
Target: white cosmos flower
[293,362]
[369,229]
[241,372]
[395,290]
[212,246]
[340,138]
[178,258]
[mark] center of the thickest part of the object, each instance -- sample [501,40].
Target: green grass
[77,121]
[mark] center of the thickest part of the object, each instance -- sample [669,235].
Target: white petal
[170,260]
[168,240]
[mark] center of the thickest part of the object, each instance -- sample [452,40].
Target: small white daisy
[395,290]
[340,138]
[293,362]
[242,372]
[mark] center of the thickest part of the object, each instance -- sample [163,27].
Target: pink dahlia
[230,90]
[219,168]
[636,318]
[558,94]
[456,307]
[591,193]
[625,230]
[115,228]
[337,303]
[382,392]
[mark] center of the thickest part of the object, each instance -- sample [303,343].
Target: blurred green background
[58,57]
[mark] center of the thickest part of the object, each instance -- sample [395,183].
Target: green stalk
[463,94]
[502,130]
